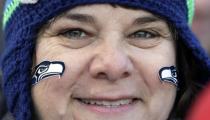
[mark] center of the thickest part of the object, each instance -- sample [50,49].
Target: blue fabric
[22,28]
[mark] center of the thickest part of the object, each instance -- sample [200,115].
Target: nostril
[125,74]
[102,75]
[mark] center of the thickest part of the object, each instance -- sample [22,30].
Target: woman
[99,60]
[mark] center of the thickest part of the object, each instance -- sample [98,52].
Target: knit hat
[23,18]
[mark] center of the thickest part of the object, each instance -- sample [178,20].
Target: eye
[77,37]
[146,38]
[75,34]
[42,69]
[143,35]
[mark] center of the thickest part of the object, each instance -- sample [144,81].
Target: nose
[110,63]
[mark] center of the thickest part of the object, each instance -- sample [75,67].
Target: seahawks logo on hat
[47,69]
[168,74]
[28,1]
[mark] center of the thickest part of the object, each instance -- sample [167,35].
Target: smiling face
[112,57]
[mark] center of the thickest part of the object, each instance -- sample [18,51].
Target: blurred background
[201,27]
[201,23]
[2,102]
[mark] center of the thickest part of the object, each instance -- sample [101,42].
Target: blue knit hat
[23,19]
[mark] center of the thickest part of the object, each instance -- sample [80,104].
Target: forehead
[108,9]
[94,8]
[108,12]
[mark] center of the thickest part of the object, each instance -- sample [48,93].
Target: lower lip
[109,110]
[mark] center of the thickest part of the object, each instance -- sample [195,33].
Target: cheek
[50,49]
[75,65]
[53,95]
[149,62]
[162,102]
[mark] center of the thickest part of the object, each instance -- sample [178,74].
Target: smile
[109,106]
[108,103]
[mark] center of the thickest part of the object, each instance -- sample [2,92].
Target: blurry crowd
[201,23]
[201,27]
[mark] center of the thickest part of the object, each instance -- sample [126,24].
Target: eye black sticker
[169,74]
[47,69]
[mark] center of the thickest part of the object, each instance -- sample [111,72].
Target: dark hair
[189,76]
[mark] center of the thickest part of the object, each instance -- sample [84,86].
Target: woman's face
[112,57]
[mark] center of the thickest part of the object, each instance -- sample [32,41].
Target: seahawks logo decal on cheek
[47,69]
[169,74]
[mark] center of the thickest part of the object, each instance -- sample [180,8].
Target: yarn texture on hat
[191,10]
[11,6]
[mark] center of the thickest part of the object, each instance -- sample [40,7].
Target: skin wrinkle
[129,65]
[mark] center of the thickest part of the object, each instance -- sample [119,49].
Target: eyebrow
[146,19]
[83,18]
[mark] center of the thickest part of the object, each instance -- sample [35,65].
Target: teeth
[107,103]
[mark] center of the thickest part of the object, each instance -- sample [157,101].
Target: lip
[114,110]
